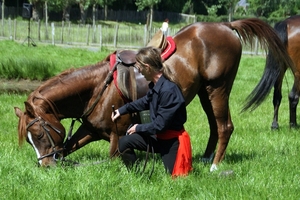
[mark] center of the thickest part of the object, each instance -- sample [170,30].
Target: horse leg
[293,102]
[81,137]
[113,145]
[277,96]
[219,117]
[213,136]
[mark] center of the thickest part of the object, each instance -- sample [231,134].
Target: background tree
[143,4]
[2,16]
[37,10]
[104,4]
[62,5]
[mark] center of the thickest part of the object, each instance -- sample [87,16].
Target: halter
[44,124]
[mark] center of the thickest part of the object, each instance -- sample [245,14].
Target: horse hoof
[274,126]
[294,126]
[213,168]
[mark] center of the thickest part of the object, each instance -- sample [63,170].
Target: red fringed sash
[183,162]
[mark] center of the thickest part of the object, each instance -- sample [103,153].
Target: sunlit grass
[264,162]
[19,61]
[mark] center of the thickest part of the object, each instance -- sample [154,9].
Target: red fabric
[112,62]
[170,49]
[183,162]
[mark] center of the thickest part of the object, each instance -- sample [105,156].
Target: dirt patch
[18,85]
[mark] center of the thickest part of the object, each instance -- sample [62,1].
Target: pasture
[264,162]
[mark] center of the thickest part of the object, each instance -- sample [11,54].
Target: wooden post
[10,28]
[15,29]
[116,35]
[69,33]
[39,30]
[88,35]
[145,35]
[62,31]
[53,33]
[100,36]
[94,34]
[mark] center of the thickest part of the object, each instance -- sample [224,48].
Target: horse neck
[69,88]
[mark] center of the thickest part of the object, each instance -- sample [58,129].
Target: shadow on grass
[230,157]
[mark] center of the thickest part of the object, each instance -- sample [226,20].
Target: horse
[205,64]
[288,32]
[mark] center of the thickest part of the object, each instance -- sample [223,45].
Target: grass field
[264,162]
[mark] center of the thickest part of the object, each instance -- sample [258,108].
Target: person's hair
[152,57]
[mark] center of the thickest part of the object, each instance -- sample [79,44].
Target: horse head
[43,131]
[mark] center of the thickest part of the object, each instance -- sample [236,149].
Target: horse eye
[40,136]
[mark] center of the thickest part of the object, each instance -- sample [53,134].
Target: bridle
[46,125]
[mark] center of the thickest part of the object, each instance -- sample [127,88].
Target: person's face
[144,69]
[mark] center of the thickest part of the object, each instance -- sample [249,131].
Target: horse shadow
[232,157]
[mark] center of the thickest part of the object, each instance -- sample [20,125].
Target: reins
[107,81]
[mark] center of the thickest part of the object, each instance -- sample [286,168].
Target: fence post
[10,28]
[145,35]
[88,35]
[100,36]
[94,34]
[116,35]
[69,33]
[15,29]
[53,33]
[39,30]
[256,46]
[62,31]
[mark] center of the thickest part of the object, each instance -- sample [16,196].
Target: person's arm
[171,104]
[135,106]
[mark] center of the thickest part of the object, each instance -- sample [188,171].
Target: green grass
[19,61]
[265,162]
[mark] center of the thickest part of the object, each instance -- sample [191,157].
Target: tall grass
[264,162]
[18,61]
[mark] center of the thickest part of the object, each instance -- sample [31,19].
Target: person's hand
[132,129]
[115,115]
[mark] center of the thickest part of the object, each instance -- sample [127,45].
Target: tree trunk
[2,12]
[37,11]
[66,14]
[105,12]
[82,13]
[94,15]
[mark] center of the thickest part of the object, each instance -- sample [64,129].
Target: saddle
[130,83]
[159,41]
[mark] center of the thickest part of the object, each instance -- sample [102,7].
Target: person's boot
[128,158]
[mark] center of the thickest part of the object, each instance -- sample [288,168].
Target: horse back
[204,53]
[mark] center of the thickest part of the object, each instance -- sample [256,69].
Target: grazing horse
[288,31]
[205,63]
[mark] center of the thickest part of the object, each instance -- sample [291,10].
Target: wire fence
[109,36]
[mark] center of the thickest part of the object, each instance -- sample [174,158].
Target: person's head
[149,62]
[150,56]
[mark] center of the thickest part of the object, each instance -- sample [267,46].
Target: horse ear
[29,109]
[18,112]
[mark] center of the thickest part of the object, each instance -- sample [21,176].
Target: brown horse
[288,31]
[205,64]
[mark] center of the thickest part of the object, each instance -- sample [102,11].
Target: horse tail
[250,29]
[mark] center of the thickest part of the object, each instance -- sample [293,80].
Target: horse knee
[230,128]
[293,99]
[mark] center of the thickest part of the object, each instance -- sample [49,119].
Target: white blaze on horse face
[34,147]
